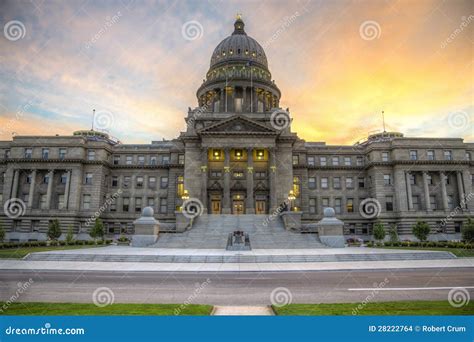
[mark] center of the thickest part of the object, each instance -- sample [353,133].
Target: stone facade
[238,155]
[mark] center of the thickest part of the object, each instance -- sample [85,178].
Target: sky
[338,64]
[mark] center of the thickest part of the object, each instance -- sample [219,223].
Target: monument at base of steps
[331,229]
[146,229]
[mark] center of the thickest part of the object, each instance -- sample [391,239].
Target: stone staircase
[212,231]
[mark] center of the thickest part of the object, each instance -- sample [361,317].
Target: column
[222,104]
[67,189]
[250,205]
[271,178]
[16,175]
[409,195]
[245,104]
[468,190]
[226,199]
[50,189]
[204,157]
[31,192]
[462,202]
[444,194]
[427,191]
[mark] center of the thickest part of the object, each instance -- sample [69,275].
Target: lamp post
[291,198]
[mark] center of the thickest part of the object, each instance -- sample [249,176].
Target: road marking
[408,288]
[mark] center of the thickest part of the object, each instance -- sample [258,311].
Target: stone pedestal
[331,230]
[292,220]
[183,222]
[146,229]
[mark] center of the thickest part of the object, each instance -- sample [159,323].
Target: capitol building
[237,157]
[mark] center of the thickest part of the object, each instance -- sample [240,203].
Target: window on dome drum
[430,155]
[238,154]
[260,154]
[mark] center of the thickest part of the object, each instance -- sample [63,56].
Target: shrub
[2,233]
[379,231]
[97,232]
[54,230]
[393,233]
[70,236]
[467,230]
[421,230]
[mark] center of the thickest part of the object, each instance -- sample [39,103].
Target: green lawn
[75,309]
[377,308]
[18,253]
[459,252]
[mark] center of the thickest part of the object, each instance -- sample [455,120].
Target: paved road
[244,288]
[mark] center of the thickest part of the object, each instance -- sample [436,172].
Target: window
[139,182]
[28,179]
[90,155]
[113,206]
[165,160]
[361,181]
[238,154]
[324,202]
[350,205]
[260,174]
[7,154]
[412,179]
[468,156]
[141,160]
[46,179]
[129,160]
[359,161]
[448,155]
[337,205]
[163,205]
[43,202]
[312,182]
[216,174]
[35,225]
[181,159]
[352,229]
[63,178]
[86,202]
[433,202]
[324,183]
[416,202]
[347,161]
[152,160]
[61,202]
[349,183]
[457,227]
[216,154]
[45,153]
[88,179]
[389,203]
[150,202]
[336,182]
[126,204]
[28,153]
[296,160]
[164,182]
[138,204]
[429,179]
[311,161]
[152,182]
[413,155]
[62,153]
[312,205]
[335,161]
[387,179]
[116,160]
[260,154]
[126,181]
[238,174]
[385,156]
[323,161]
[114,181]
[430,155]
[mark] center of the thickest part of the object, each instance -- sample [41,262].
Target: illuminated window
[350,205]
[238,154]
[216,154]
[238,174]
[180,182]
[296,186]
[260,154]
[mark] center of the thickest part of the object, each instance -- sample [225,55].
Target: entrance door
[260,207]
[215,207]
[238,207]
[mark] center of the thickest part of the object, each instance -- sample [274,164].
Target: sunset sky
[338,65]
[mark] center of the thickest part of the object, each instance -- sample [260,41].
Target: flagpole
[225,90]
[251,90]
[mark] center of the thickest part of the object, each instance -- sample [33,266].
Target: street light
[291,198]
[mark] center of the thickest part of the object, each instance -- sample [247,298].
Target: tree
[379,231]
[54,230]
[97,232]
[468,230]
[421,230]
[2,233]
[393,233]
[69,235]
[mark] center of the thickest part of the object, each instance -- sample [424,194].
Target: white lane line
[408,288]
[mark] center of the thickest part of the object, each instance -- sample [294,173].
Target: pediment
[237,125]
